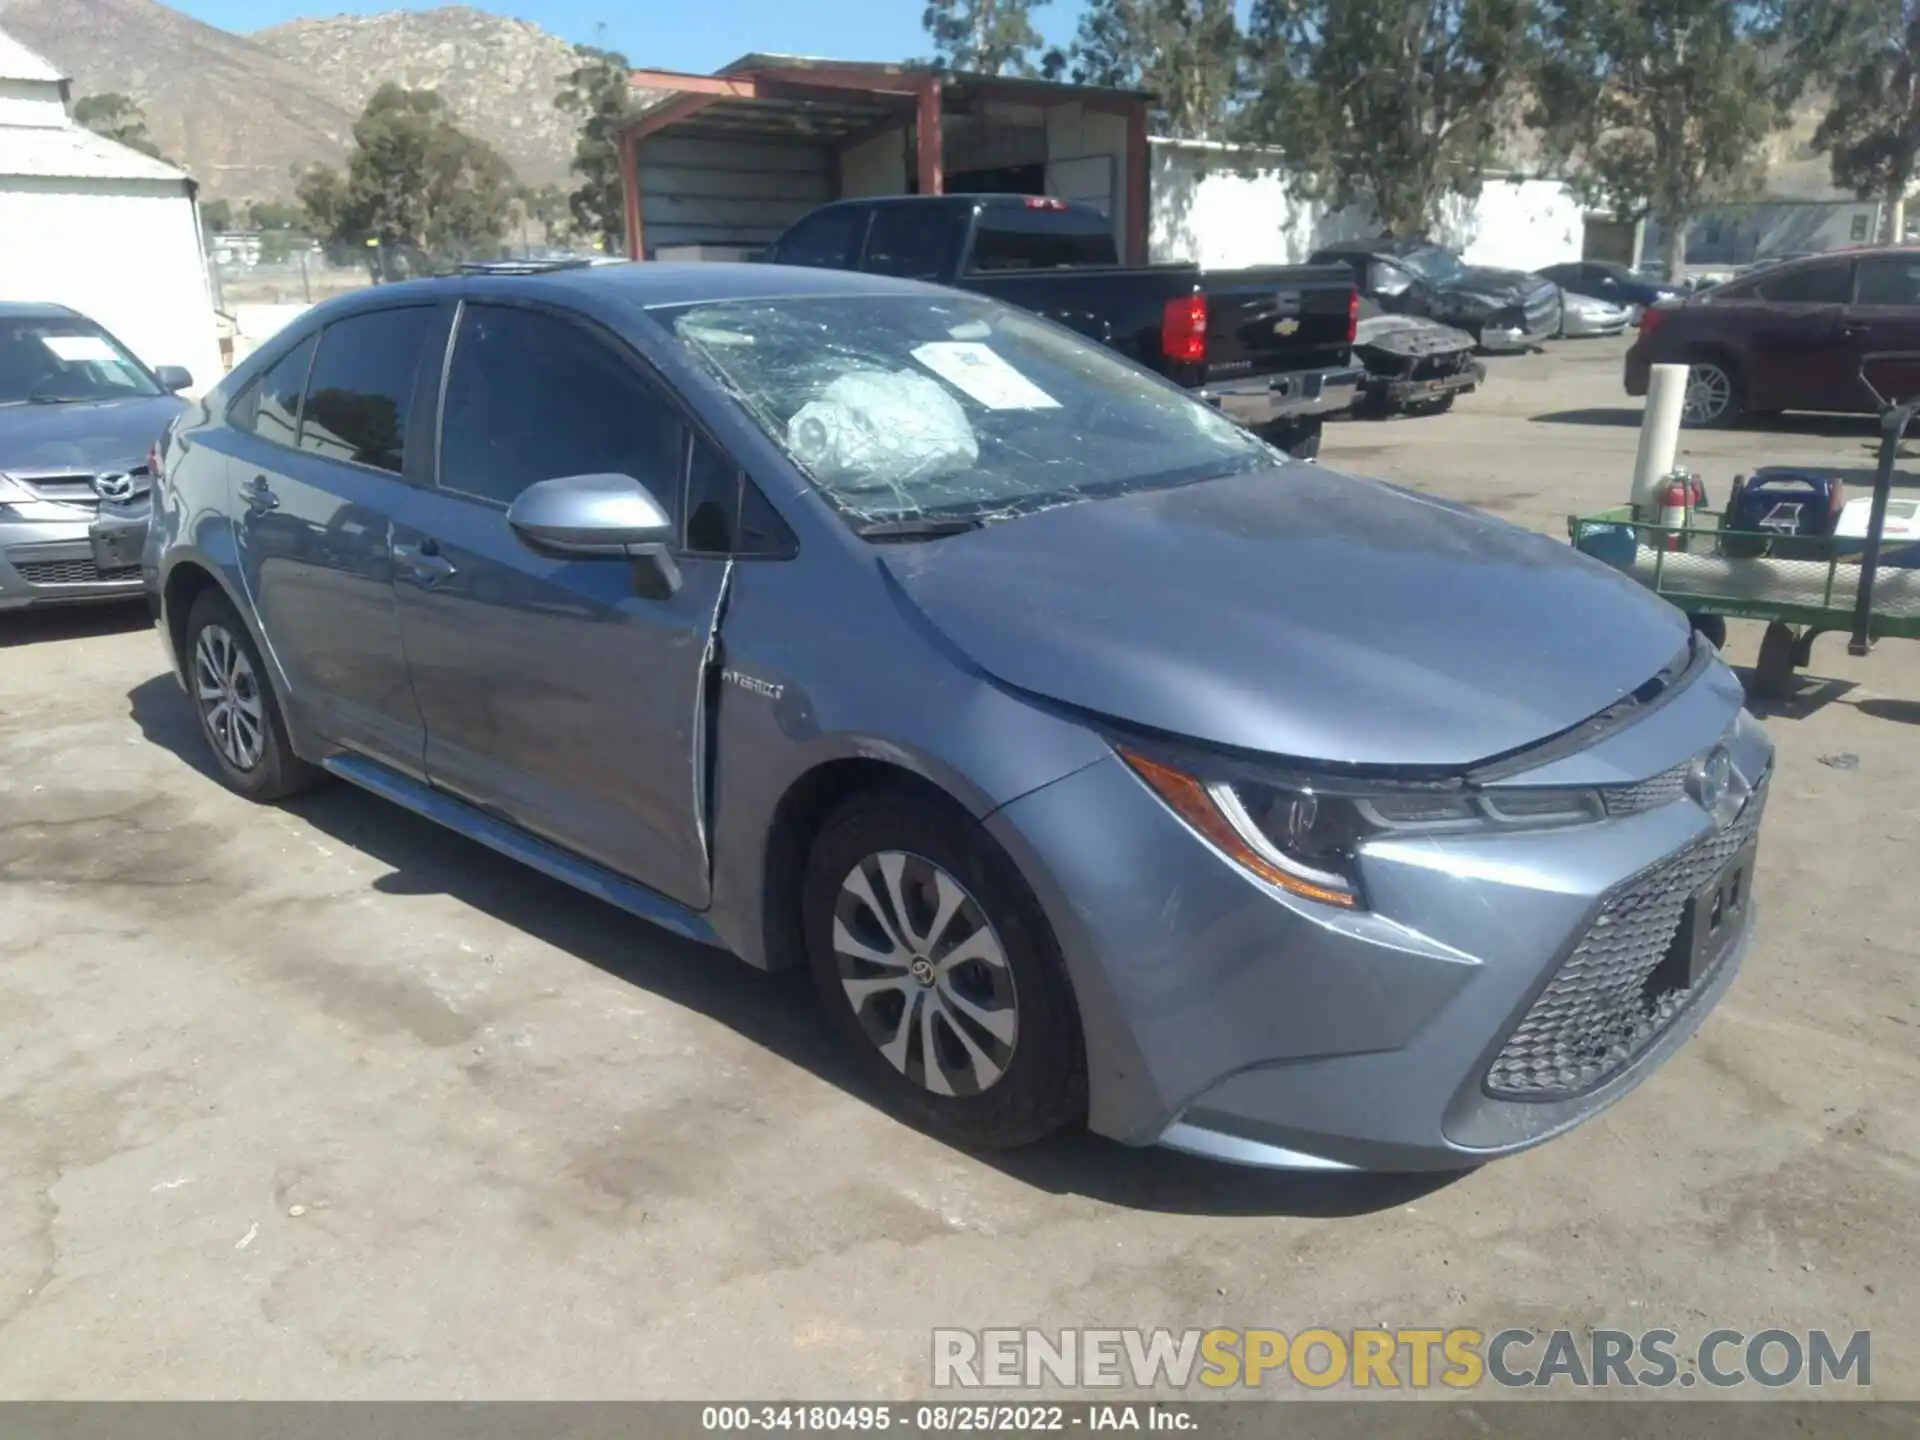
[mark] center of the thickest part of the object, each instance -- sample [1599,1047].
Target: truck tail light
[1045,202]
[1651,319]
[1353,315]
[1183,329]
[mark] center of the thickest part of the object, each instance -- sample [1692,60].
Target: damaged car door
[561,689]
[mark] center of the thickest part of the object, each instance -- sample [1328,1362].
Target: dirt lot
[321,1101]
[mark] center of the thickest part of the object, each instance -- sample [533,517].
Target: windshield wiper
[930,527]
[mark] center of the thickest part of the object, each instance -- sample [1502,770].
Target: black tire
[1773,671]
[214,630]
[1040,1084]
[1721,399]
[1299,438]
[1713,627]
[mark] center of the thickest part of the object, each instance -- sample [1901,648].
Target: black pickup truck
[1271,346]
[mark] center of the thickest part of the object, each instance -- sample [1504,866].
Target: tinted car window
[1816,285]
[828,238]
[1040,240]
[1890,281]
[917,242]
[271,409]
[360,390]
[532,397]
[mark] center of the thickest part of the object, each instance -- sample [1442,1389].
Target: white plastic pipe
[1659,437]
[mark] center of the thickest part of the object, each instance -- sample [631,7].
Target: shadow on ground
[72,622]
[778,1012]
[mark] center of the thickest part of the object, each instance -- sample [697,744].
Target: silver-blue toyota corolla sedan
[1101,763]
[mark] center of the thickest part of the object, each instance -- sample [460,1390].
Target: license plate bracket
[1713,918]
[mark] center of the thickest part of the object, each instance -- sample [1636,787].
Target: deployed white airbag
[884,428]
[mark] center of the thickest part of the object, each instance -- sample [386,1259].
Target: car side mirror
[597,517]
[174,378]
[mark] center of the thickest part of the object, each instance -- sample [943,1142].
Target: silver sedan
[1584,315]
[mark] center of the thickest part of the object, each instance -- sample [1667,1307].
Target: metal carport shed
[716,166]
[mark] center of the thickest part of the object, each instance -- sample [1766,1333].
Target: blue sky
[698,35]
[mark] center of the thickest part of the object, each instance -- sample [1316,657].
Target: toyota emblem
[114,485]
[1709,779]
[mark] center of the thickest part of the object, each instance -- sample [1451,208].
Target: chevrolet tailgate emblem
[1286,326]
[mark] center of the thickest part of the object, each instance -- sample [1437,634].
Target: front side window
[58,360]
[533,397]
[908,407]
[360,391]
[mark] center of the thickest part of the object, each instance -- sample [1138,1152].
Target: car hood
[1502,287]
[1297,612]
[88,436]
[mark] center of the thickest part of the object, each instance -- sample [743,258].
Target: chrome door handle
[260,496]
[422,563]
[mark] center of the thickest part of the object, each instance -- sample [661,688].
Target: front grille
[1663,789]
[1605,1004]
[77,488]
[71,572]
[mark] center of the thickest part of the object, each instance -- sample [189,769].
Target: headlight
[1305,837]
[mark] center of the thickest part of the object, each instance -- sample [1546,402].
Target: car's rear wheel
[937,966]
[1713,399]
[238,712]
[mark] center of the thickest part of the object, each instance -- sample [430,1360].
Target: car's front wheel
[936,964]
[238,712]
[1713,399]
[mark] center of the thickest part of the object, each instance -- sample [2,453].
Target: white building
[99,227]
[1232,206]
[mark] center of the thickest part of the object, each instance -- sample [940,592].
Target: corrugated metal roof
[17,62]
[75,153]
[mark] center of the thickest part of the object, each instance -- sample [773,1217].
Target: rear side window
[915,242]
[1816,285]
[1890,281]
[1004,240]
[828,239]
[360,390]
[532,397]
[271,409]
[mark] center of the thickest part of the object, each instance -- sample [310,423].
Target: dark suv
[1789,337]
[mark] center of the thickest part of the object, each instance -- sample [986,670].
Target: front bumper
[1582,324]
[53,562]
[1292,395]
[1224,1019]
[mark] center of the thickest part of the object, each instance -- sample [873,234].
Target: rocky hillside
[497,75]
[243,112]
[233,112]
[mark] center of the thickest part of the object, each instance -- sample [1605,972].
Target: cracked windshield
[931,409]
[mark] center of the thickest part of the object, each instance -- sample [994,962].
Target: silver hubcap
[925,973]
[229,694]
[1709,392]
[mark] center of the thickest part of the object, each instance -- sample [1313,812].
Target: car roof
[648,285]
[36,310]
